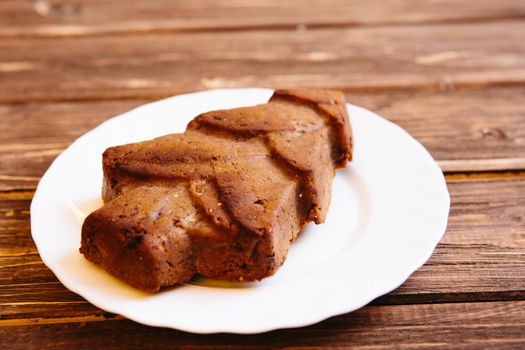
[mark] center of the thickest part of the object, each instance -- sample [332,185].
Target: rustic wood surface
[383,58]
[452,73]
[84,17]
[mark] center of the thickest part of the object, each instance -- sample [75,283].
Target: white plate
[389,210]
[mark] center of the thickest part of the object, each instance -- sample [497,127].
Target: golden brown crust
[225,198]
[333,105]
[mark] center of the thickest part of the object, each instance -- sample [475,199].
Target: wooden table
[452,73]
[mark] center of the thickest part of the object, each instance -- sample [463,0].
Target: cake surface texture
[224,199]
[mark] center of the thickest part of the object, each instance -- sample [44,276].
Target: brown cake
[224,199]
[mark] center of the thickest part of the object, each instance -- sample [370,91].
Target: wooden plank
[485,230]
[473,130]
[481,257]
[82,17]
[432,57]
[39,132]
[481,129]
[452,326]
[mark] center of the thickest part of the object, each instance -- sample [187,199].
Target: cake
[224,199]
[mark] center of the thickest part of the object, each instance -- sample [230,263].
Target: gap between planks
[481,165]
[439,84]
[40,320]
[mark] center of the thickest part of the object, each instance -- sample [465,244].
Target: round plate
[389,210]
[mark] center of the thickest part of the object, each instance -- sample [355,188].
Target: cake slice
[225,198]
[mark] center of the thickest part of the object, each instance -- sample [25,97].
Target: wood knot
[514,214]
[56,10]
[492,133]
[301,28]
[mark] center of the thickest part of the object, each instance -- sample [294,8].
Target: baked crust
[225,198]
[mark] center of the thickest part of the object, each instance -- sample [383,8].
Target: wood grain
[451,326]
[472,130]
[39,132]
[431,57]
[481,257]
[46,18]
[486,229]
[478,129]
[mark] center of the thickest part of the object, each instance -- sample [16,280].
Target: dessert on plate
[224,199]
